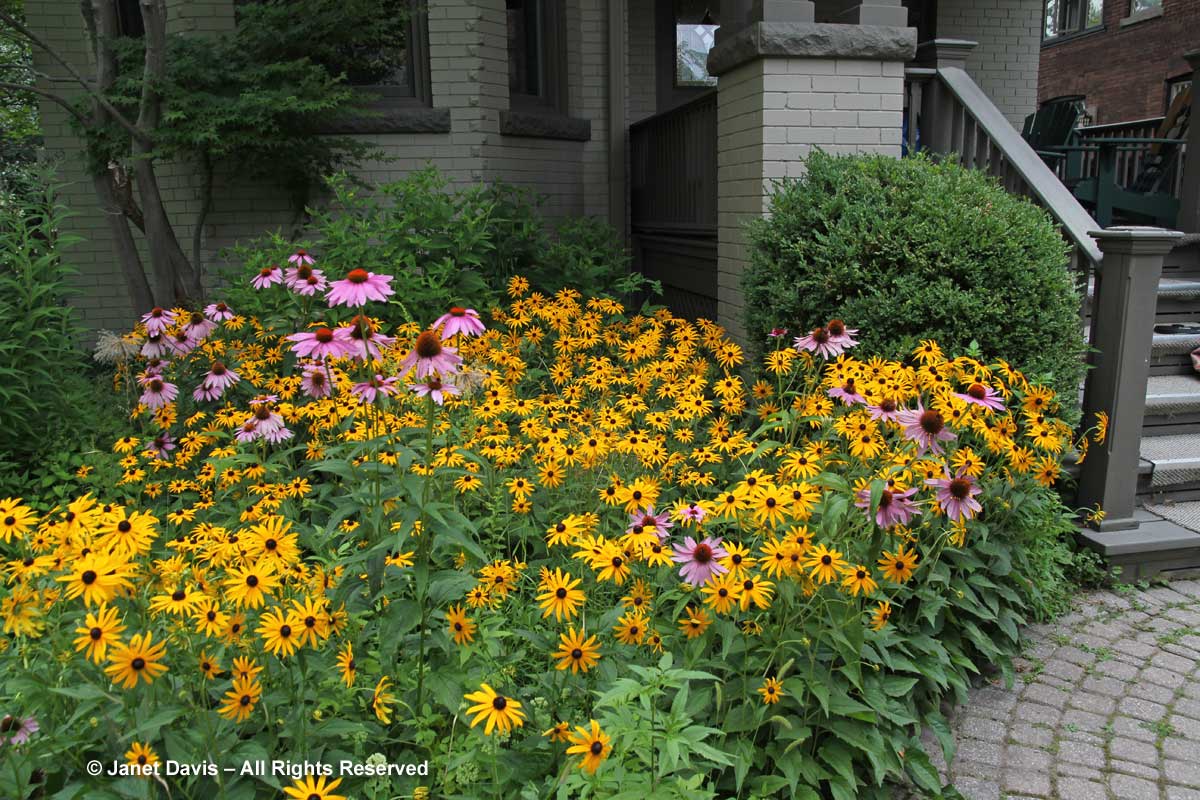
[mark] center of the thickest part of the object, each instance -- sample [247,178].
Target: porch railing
[949,113]
[673,204]
[1129,160]
[673,165]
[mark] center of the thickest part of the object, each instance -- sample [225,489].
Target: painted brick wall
[771,113]
[1005,64]
[1122,70]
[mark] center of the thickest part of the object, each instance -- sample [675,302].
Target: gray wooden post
[1122,332]
[936,121]
[1189,200]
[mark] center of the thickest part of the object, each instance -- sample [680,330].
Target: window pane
[381,57]
[525,33]
[1145,5]
[1051,21]
[1070,19]
[692,43]
[1095,13]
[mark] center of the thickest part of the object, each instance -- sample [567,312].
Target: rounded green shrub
[910,249]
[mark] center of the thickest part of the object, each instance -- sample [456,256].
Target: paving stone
[1067,769]
[1134,768]
[1133,728]
[1026,758]
[1127,787]
[1036,712]
[982,752]
[1185,726]
[1142,709]
[1030,735]
[1083,720]
[1020,781]
[1102,685]
[1133,750]
[1152,692]
[1116,669]
[1139,650]
[1079,753]
[975,789]
[966,768]
[1040,693]
[1092,702]
[1163,677]
[1065,670]
[1181,793]
[1182,772]
[987,730]
[1079,789]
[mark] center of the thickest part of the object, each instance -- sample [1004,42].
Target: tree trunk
[172,269]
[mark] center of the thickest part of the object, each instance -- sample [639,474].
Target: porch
[699,169]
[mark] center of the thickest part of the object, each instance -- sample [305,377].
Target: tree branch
[57,98]
[37,41]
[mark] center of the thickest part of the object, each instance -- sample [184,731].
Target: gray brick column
[1122,331]
[788,85]
[1189,211]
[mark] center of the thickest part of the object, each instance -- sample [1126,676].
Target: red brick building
[1124,56]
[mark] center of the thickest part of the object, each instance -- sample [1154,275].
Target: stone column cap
[812,40]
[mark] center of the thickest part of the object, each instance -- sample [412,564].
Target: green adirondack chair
[1049,129]
[1149,197]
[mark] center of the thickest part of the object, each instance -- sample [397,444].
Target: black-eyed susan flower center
[722,592]
[960,488]
[138,663]
[860,574]
[931,422]
[500,703]
[141,761]
[211,616]
[10,521]
[560,593]
[178,595]
[88,577]
[597,748]
[826,561]
[270,544]
[285,631]
[358,276]
[310,622]
[576,654]
[771,502]
[252,581]
[748,585]
[95,633]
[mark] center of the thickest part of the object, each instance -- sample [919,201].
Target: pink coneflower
[157,320]
[267,276]
[157,393]
[840,335]
[155,347]
[847,392]
[926,427]
[982,395]
[460,320]
[277,435]
[433,387]
[819,342]
[887,410]
[647,520]
[218,312]
[218,379]
[956,495]
[266,420]
[247,431]
[895,508]
[315,382]
[154,366]
[161,445]
[181,343]
[371,389]
[359,287]
[301,258]
[700,559]
[17,730]
[693,513]
[322,343]
[198,326]
[430,356]
[778,333]
[311,285]
[364,341]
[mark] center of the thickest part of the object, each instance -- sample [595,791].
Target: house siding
[1005,62]
[469,77]
[1122,70]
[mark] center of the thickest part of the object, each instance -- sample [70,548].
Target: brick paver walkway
[1106,706]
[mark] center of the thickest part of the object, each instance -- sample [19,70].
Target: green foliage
[444,247]
[19,127]
[909,249]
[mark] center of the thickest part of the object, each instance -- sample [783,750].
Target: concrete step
[1170,354]
[1162,544]
[1172,405]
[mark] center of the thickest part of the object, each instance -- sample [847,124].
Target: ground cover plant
[556,549]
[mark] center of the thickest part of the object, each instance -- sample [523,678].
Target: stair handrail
[1039,180]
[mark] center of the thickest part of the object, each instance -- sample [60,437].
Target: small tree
[252,99]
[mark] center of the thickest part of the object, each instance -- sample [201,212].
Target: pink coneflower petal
[847,393]
[431,357]
[315,381]
[358,288]
[926,427]
[301,257]
[267,276]
[372,389]
[457,320]
[819,342]
[981,395]
[218,312]
[322,343]
[157,320]
[956,495]
[895,508]
[158,393]
[436,389]
[700,559]
[659,524]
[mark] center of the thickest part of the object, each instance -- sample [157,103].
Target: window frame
[1076,29]
[420,93]
[552,52]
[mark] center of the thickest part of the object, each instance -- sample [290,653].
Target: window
[1065,17]
[695,33]
[536,54]
[389,58]
[1144,6]
[1176,87]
